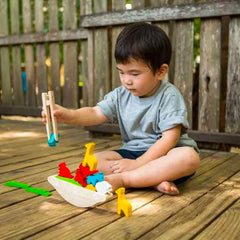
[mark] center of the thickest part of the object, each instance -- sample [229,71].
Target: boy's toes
[167,188]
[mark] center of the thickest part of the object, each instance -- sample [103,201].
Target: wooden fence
[211,89]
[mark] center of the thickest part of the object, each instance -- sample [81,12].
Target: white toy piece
[77,195]
[103,187]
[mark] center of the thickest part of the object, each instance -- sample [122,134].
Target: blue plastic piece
[24,82]
[52,141]
[93,179]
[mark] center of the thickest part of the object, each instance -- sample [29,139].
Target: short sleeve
[172,112]
[108,106]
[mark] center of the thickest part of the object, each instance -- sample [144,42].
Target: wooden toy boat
[78,195]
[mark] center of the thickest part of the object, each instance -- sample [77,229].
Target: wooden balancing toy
[87,188]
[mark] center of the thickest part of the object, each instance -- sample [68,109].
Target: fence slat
[18,97]
[4,56]
[54,52]
[70,89]
[183,71]
[210,75]
[158,3]
[87,48]
[101,59]
[41,53]
[116,6]
[233,92]
[28,52]
[137,4]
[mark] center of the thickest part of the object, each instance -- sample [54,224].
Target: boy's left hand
[124,165]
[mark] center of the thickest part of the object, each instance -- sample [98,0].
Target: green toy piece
[69,180]
[28,188]
[16,184]
[38,191]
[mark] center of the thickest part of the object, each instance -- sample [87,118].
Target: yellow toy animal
[89,159]
[123,204]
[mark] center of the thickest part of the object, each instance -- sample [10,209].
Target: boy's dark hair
[146,42]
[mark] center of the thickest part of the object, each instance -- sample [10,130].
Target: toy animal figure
[89,159]
[122,203]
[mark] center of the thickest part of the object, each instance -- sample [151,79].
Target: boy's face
[138,78]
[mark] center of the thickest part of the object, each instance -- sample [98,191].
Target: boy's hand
[124,165]
[63,115]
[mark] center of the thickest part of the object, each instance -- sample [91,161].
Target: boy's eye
[135,74]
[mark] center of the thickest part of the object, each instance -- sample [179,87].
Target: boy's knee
[192,158]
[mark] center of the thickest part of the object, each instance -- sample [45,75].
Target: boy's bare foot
[115,180]
[167,188]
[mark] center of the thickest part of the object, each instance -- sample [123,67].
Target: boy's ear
[162,71]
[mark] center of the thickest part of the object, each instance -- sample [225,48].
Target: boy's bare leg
[104,160]
[179,162]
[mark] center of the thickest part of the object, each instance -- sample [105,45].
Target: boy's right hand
[62,114]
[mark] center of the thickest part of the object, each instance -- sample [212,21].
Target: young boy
[151,113]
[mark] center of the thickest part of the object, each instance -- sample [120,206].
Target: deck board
[205,209]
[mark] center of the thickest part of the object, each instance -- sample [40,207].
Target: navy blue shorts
[135,154]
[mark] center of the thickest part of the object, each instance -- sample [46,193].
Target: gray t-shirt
[142,120]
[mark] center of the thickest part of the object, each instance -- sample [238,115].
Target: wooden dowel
[47,112]
[54,120]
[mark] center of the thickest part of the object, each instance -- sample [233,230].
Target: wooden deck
[207,208]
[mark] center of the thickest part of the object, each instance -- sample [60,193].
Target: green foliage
[197,24]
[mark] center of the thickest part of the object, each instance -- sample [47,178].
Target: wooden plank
[4,57]
[183,62]
[138,4]
[41,75]
[224,70]
[54,52]
[166,28]
[39,175]
[22,167]
[158,3]
[18,97]
[70,49]
[39,141]
[150,215]
[87,48]
[29,59]
[225,226]
[190,11]
[20,110]
[233,78]
[210,75]
[101,56]
[200,136]
[116,6]
[86,7]
[25,214]
[55,36]
[193,219]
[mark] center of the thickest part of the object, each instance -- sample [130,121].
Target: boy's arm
[88,116]
[160,148]
[85,116]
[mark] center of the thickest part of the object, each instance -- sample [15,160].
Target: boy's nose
[128,81]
